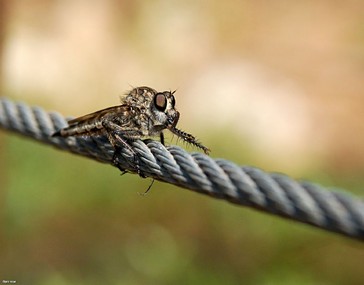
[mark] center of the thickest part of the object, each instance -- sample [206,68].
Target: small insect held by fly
[144,112]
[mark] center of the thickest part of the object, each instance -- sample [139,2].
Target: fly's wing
[98,114]
[92,122]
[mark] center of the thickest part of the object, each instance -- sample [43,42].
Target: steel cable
[278,194]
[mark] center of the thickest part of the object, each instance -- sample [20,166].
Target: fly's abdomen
[80,129]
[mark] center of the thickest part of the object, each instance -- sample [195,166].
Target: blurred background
[274,84]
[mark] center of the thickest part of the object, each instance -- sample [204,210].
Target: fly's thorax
[140,97]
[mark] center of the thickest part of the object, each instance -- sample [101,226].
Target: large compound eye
[160,101]
[173,101]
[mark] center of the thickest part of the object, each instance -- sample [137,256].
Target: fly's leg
[161,136]
[136,157]
[159,129]
[113,132]
[189,139]
[149,187]
[113,142]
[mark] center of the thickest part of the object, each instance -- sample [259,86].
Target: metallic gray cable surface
[247,186]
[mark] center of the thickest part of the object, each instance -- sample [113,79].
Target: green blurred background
[274,84]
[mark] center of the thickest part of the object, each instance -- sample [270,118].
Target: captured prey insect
[143,112]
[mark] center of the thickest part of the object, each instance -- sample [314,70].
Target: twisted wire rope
[274,193]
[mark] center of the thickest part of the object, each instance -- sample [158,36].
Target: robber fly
[143,112]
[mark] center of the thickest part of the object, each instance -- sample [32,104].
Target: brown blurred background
[275,84]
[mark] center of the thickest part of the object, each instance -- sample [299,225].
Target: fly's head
[163,109]
[160,108]
[157,106]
